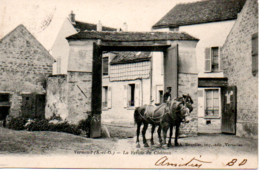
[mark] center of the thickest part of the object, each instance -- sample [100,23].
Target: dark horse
[166,116]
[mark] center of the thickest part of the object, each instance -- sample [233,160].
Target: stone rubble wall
[57,97]
[79,105]
[237,65]
[24,67]
[188,84]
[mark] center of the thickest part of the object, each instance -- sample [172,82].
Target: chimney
[125,27]
[72,17]
[99,26]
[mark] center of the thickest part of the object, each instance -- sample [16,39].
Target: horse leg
[165,129]
[170,139]
[143,133]
[152,131]
[159,134]
[177,135]
[4,123]
[137,134]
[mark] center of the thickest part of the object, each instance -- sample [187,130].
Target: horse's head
[184,113]
[187,100]
[178,110]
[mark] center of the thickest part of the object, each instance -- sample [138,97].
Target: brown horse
[165,116]
[177,113]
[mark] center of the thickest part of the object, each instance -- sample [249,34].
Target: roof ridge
[200,12]
[91,23]
[132,36]
[37,42]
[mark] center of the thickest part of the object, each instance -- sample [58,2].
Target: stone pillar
[85,83]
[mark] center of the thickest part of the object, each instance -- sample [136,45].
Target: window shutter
[125,96]
[220,59]
[255,54]
[109,98]
[137,95]
[207,60]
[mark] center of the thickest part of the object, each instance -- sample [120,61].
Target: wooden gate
[229,109]
[28,105]
[40,106]
[171,70]
[33,105]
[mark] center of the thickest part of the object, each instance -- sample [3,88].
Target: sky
[43,18]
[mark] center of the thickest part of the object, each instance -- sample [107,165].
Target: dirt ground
[45,142]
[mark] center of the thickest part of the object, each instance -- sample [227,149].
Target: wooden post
[96,100]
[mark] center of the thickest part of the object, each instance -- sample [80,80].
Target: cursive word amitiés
[193,162]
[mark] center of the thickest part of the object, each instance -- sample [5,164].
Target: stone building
[210,21]
[240,65]
[25,65]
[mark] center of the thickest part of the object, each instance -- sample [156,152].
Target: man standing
[167,95]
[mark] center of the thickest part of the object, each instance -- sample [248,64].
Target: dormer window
[212,59]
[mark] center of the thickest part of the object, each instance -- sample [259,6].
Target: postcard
[129,84]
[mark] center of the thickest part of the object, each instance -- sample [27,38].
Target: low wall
[57,99]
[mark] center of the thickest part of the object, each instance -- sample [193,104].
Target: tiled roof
[130,57]
[81,26]
[200,12]
[132,36]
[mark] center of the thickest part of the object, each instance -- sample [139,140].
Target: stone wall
[57,97]
[69,96]
[237,65]
[79,95]
[188,84]
[24,67]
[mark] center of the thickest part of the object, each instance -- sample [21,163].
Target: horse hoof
[138,145]
[146,145]
[169,145]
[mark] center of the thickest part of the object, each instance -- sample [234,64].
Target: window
[4,99]
[212,103]
[212,59]
[215,59]
[131,95]
[105,65]
[255,54]
[105,97]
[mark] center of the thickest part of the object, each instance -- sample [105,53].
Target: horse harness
[153,119]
